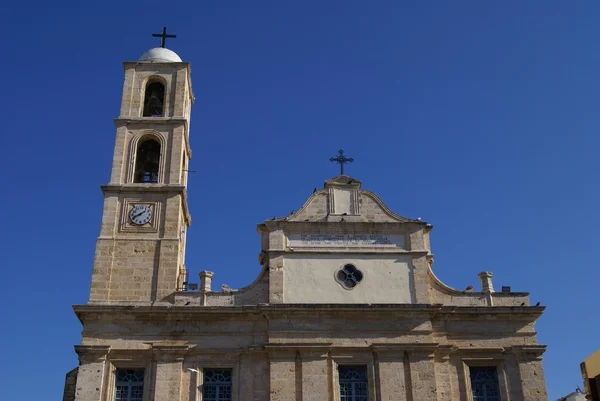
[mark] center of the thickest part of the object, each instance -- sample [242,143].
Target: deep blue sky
[480,117]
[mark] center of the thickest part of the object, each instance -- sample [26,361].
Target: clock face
[140,214]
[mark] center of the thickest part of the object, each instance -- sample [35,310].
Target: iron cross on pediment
[163,36]
[341,159]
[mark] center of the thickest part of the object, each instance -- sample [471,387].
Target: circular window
[349,276]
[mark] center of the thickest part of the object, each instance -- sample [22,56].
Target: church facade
[346,306]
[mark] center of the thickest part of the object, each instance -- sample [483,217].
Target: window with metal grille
[129,384]
[217,385]
[354,385]
[484,383]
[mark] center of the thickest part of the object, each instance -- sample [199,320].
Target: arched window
[154,100]
[147,160]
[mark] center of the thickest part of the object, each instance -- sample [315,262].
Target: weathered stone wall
[311,279]
[254,294]
[70,385]
[370,207]
[291,352]
[440,293]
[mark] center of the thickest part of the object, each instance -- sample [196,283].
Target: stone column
[92,374]
[282,377]
[422,375]
[169,369]
[531,372]
[315,375]
[392,380]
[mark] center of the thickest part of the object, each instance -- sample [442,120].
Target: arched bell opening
[147,162]
[154,100]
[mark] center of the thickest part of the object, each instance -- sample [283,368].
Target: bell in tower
[154,100]
[140,235]
[147,162]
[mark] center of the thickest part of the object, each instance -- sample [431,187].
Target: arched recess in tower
[154,100]
[147,161]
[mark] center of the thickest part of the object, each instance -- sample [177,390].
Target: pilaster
[276,280]
[282,375]
[92,373]
[169,369]
[444,373]
[422,373]
[315,375]
[420,279]
[392,377]
[531,371]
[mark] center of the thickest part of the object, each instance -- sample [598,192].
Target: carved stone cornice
[122,121]
[118,188]
[410,347]
[479,353]
[428,311]
[168,352]
[131,354]
[298,347]
[396,352]
[91,353]
[525,353]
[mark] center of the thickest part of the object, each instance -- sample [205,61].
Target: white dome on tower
[160,55]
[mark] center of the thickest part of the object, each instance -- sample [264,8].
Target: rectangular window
[354,385]
[129,384]
[217,385]
[484,383]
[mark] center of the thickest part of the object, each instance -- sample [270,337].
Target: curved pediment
[343,198]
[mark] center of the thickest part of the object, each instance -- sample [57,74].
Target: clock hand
[139,214]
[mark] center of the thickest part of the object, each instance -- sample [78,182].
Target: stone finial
[486,282]
[205,280]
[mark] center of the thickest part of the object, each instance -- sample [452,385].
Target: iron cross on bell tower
[341,159]
[163,36]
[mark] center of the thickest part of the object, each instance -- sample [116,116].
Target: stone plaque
[346,240]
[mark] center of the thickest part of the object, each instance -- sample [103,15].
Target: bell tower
[140,252]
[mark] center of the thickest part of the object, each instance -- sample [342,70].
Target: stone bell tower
[141,248]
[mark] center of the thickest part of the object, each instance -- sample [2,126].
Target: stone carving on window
[349,276]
